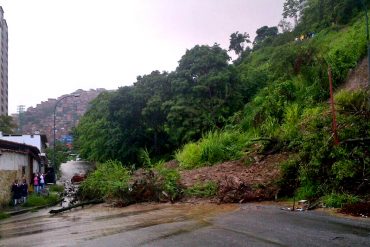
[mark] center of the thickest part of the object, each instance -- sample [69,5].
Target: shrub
[207,189]
[338,200]
[168,181]
[4,215]
[34,200]
[307,191]
[109,180]
[189,156]
[212,148]
[352,101]
[56,188]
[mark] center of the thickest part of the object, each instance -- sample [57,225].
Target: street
[203,224]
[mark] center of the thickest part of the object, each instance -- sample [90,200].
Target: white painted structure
[17,161]
[36,140]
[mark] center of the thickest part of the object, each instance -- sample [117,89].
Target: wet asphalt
[184,225]
[201,224]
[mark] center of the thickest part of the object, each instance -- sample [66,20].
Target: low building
[17,161]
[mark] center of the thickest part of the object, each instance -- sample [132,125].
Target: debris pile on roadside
[361,209]
[238,182]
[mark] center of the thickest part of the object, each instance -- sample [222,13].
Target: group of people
[20,190]
[38,182]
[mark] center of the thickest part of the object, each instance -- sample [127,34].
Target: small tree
[238,42]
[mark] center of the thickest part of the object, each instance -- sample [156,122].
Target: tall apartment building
[4,64]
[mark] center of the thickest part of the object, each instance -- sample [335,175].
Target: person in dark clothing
[24,190]
[16,190]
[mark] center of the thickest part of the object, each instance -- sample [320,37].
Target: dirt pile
[238,182]
[361,209]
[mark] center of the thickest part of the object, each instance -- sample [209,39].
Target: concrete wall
[14,166]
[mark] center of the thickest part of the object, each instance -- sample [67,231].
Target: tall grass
[212,148]
[34,200]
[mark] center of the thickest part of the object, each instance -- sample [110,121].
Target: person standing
[36,183]
[16,192]
[42,181]
[24,190]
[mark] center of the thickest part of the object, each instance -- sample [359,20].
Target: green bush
[212,148]
[338,200]
[189,156]
[56,188]
[168,181]
[352,101]
[110,179]
[4,215]
[34,200]
[345,50]
[207,189]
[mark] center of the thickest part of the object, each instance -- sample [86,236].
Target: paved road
[184,225]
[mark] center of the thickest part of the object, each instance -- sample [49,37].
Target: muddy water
[80,226]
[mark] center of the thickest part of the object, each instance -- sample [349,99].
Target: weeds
[207,189]
[338,200]
[109,179]
[56,188]
[34,200]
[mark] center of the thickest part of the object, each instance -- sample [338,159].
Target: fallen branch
[55,211]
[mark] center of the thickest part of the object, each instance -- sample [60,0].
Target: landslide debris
[238,182]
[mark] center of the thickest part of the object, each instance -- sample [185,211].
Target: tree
[7,124]
[205,94]
[263,33]
[293,9]
[238,42]
[61,154]
[285,26]
[95,137]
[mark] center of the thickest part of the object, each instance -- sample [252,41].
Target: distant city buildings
[68,112]
[4,65]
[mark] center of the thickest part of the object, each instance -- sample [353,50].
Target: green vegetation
[7,125]
[56,188]
[207,189]
[61,154]
[110,179]
[4,215]
[338,200]
[209,111]
[168,181]
[34,200]
[212,148]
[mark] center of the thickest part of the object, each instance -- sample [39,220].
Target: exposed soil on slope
[238,182]
[358,77]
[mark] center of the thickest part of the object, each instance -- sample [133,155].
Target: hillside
[272,102]
[68,112]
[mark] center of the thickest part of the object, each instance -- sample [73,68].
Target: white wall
[12,161]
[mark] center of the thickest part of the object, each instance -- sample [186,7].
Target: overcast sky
[59,46]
